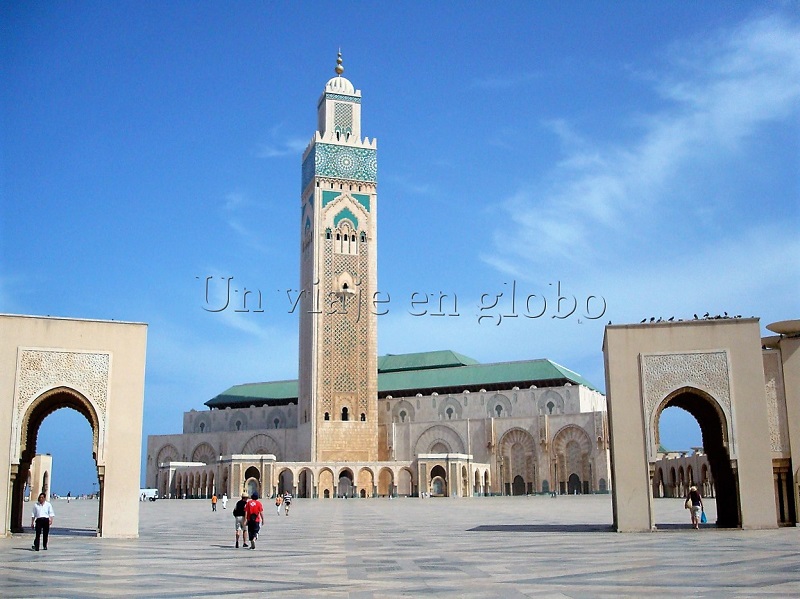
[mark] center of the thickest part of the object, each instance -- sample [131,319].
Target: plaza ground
[361,548]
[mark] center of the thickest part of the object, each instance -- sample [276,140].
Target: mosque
[358,425]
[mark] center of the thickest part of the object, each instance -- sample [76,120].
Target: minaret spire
[339,68]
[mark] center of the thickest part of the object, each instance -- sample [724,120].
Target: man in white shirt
[41,520]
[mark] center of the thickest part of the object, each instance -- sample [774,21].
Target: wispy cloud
[235,208]
[287,147]
[602,198]
[280,144]
[413,186]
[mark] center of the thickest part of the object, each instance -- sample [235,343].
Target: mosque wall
[537,434]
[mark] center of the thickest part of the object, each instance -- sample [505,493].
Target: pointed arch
[168,453]
[439,434]
[205,453]
[518,449]
[262,444]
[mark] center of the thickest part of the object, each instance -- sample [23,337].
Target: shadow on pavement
[72,532]
[542,528]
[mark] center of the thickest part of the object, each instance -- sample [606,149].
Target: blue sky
[643,153]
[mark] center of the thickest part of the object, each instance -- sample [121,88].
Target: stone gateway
[91,366]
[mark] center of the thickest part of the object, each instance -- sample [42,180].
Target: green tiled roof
[277,392]
[490,376]
[406,374]
[422,361]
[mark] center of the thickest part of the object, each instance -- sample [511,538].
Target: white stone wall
[240,419]
[540,421]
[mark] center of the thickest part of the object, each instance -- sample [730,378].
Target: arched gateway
[93,367]
[713,369]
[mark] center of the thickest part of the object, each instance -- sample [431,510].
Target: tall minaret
[338,369]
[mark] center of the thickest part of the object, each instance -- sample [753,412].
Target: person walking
[254,514]
[41,521]
[224,501]
[287,502]
[695,503]
[214,502]
[239,516]
[278,503]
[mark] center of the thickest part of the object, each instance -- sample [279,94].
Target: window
[327,416]
[238,425]
[449,412]
[345,415]
[403,416]
[202,427]
[499,409]
[363,417]
[277,422]
[550,406]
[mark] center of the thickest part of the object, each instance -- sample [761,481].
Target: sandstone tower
[337,386]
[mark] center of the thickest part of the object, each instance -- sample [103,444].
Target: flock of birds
[705,316]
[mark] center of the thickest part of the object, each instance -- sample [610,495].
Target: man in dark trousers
[253,513]
[41,520]
[241,523]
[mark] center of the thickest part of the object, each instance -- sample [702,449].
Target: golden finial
[339,68]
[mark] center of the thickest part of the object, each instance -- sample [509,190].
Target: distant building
[39,477]
[675,471]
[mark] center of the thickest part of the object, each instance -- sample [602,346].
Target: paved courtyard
[481,547]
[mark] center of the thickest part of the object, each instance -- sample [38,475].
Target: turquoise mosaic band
[340,97]
[340,162]
[329,196]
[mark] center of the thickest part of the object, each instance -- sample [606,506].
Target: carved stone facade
[519,452]
[42,370]
[663,374]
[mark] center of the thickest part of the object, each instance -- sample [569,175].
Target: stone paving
[363,548]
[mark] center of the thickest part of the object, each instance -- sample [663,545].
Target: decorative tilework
[340,162]
[343,117]
[308,168]
[329,196]
[343,97]
[362,199]
[345,214]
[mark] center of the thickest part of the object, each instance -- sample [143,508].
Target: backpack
[253,516]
